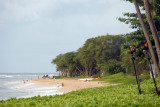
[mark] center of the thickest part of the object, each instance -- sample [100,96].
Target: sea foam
[16,85]
[32,89]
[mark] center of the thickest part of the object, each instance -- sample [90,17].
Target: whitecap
[6,76]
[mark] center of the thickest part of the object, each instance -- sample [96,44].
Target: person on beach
[62,84]
[86,80]
[24,81]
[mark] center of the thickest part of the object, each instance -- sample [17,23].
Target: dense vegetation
[92,58]
[125,94]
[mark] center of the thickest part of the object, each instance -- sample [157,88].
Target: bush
[113,67]
[94,76]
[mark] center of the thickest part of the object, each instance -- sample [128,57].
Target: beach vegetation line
[125,94]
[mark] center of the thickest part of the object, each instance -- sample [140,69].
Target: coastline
[69,84]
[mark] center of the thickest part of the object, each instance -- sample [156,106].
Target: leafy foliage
[113,67]
[90,59]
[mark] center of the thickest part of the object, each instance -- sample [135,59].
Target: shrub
[113,67]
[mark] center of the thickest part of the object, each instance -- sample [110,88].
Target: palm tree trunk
[152,27]
[147,37]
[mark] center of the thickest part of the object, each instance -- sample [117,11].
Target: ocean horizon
[18,85]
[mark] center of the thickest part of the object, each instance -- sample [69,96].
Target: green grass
[123,95]
[121,78]
[59,77]
[81,76]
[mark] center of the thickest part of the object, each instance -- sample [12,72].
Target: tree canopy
[91,58]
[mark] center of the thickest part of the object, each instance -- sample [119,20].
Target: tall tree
[152,27]
[147,37]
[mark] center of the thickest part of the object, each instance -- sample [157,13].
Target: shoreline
[69,84]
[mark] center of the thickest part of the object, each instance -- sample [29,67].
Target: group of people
[60,85]
[24,81]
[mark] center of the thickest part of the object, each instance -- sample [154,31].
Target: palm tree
[152,27]
[147,37]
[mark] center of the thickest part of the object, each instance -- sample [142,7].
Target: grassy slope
[122,79]
[125,94]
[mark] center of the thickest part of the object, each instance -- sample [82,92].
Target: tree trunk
[86,71]
[147,37]
[63,73]
[79,70]
[99,73]
[152,27]
[67,73]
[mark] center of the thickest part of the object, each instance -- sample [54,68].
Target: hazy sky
[33,32]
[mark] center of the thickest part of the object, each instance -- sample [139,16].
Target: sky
[33,32]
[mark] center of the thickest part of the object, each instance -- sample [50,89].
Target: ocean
[16,85]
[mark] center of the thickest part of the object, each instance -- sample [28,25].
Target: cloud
[33,30]
[17,10]
[28,10]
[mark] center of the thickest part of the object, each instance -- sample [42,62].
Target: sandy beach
[69,84]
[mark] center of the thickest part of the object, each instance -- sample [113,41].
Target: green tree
[139,22]
[91,57]
[147,38]
[97,51]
